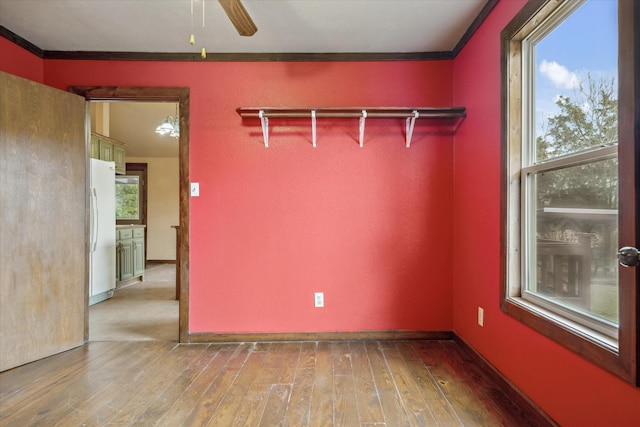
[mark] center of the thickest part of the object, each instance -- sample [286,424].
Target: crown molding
[23,43]
[249,57]
[484,13]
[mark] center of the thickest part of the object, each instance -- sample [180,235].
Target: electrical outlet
[319,299]
[480,316]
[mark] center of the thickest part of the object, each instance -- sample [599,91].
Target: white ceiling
[284,26]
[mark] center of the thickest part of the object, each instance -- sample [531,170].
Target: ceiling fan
[239,17]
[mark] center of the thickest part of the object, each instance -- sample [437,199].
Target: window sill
[595,347]
[580,331]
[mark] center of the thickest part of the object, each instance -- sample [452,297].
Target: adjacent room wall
[370,227]
[163,206]
[571,390]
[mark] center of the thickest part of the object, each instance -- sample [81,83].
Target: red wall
[370,227]
[20,62]
[571,390]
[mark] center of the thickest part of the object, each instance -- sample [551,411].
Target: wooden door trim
[181,95]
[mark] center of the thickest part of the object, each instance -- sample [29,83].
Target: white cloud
[559,75]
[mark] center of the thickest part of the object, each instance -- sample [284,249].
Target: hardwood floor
[343,383]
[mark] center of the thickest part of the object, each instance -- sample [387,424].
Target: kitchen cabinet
[119,155]
[130,260]
[110,150]
[106,150]
[95,147]
[138,252]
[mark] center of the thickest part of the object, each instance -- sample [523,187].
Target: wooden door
[43,163]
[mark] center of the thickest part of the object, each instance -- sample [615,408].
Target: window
[569,169]
[562,176]
[127,198]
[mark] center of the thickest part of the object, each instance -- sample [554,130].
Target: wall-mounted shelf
[452,115]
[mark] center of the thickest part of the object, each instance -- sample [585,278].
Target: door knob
[628,256]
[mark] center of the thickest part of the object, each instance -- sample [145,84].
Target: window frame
[605,331]
[139,169]
[138,185]
[619,357]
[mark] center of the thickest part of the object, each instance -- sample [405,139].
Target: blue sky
[586,42]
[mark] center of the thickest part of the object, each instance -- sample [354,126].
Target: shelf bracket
[411,121]
[265,127]
[448,119]
[313,128]
[362,122]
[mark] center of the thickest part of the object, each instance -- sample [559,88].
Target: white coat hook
[313,128]
[362,120]
[265,127]
[411,121]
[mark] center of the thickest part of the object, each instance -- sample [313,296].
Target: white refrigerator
[102,231]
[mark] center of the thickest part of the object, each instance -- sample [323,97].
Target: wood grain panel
[42,216]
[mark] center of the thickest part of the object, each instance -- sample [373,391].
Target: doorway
[143,306]
[181,97]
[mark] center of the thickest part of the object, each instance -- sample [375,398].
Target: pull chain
[192,38]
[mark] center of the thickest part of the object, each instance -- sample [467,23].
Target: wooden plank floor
[355,383]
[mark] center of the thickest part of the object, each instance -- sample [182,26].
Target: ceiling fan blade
[239,17]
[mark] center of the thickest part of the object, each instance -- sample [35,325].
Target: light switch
[195,189]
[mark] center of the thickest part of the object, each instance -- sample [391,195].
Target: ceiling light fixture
[170,126]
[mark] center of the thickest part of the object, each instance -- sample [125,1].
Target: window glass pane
[127,197]
[573,207]
[576,237]
[576,82]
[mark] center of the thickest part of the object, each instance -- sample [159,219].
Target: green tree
[587,121]
[127,201]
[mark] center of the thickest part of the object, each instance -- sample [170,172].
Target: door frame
[181,95]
